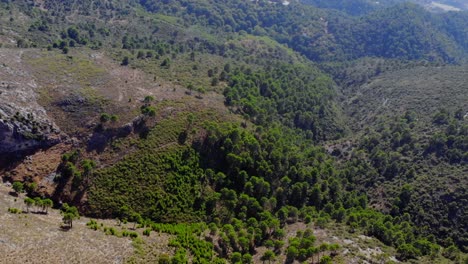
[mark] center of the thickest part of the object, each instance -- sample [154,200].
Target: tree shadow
[64,228]
[102,137]
[38,213]
[182,138]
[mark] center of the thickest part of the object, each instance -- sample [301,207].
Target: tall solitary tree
[69,213]
[136,219]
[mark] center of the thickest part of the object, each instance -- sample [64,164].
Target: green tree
[114,118]
[125,61]
[69,214]
[214,81]
[136,219]
[190,87]
[38,203]
[73,33]
[28,202]
[164,259]
[326,260]
[247,258]
[88,166]
[323,247]
[148,99]
[104,117]
[451,252]
[268,256]
[148,110]
[18,187]
[47,203]
[312,251]
[407,251]
[405,196]
[31,187]
[166,63]
[292,253]
[236,257]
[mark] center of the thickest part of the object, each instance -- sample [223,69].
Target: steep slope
[321,35]
[213,113]
[414,131]
[24,124]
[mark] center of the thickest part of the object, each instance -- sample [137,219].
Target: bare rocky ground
[22,119]
[38,238]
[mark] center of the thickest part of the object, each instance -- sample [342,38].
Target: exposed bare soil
[38,238]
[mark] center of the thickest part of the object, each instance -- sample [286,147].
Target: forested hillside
[227,124]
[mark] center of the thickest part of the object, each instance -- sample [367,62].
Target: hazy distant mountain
[360,7]
[444,5]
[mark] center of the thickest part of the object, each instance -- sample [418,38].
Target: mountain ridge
[248,117]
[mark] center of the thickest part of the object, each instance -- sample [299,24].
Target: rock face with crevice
[17,137]
[24,124]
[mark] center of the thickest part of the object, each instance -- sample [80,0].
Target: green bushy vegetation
[398,152]
[15,210]
[302,248]
[259,179]
[69,214]
[42,205]
[297,96]
[250,179]
[406,37]
[167,186]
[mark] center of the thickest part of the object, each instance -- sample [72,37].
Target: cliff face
[16,137]
[24,124]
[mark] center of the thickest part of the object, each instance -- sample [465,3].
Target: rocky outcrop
[16,137]
[24,124]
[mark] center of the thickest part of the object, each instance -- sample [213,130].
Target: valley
[233,132]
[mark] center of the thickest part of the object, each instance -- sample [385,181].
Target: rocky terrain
[24,124]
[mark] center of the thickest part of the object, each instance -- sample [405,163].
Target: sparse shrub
[164,259]
[326,260]
[92,224]
[104,117]
[133,234]
[111,231]
[166,63]
[14,210]
[114,118]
